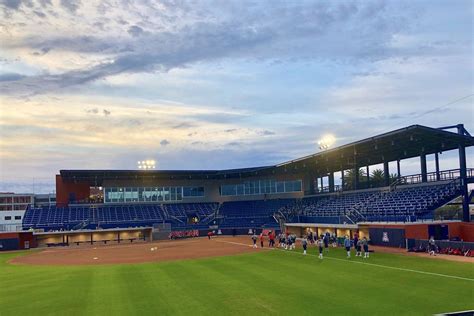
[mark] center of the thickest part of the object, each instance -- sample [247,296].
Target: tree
[377,178]
[349,179]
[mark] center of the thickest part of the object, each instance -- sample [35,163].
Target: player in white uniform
[320,246]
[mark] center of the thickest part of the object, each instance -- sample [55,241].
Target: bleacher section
[178,214]
[251,214]
[401,204]
[405,203]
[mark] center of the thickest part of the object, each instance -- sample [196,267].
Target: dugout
[17,241]
[340,230]
[391,234]
[93,237]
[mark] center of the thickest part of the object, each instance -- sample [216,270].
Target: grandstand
[264,197]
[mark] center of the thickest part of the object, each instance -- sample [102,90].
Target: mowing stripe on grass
[365,263]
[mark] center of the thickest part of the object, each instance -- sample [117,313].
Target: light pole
[146,164]
[326,141]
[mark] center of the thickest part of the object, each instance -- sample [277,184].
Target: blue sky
[220,84]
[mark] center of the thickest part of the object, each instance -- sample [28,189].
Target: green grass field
[272,282]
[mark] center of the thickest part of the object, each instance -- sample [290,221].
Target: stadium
[197,226]
[236,157]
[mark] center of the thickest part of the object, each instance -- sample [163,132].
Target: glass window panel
[166,194]
[280,186]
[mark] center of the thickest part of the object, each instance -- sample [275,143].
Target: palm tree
[349,179]
[377,178]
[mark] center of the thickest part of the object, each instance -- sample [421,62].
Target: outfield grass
[272,282]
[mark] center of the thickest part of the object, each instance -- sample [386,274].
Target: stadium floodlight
[326,141]
[146,164]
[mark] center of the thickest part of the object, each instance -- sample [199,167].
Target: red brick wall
[27,237]
[63,189]
[416,231]
[467,231]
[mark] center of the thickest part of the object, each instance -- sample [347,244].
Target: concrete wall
[12,224]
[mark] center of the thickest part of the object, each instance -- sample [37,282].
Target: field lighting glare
[326,142]
[146,164]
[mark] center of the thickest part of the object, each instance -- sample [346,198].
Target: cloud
[16,4]
[11,77]
[71,5]
[135,31]
[266,133]
[164,142]
[285,32]
[184,125]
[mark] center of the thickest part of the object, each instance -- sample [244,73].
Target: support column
[463,177]
[356,178]
[437,167]
[342,180]
[399,174]
[322,184]
[386,174]
[367,171]
[92,239]
[424,177]
[309,183]
[331,182]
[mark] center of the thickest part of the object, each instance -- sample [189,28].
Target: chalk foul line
[364,263]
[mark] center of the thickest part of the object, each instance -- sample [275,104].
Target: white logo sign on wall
[385,237]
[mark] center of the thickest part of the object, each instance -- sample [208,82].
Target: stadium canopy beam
[386,173]
[331,182]
[399,144]
[424,173]
[437,166]
[463,176]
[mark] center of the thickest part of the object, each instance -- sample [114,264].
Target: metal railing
[445,175]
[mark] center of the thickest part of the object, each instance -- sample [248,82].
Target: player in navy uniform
[304,242]
[358,248]
[356,239]
[365,245]
[326,241]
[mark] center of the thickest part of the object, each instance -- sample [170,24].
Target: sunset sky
[221,84]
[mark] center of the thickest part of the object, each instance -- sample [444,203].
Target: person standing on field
[365,245]
[271,236]
[320,243]
[347,245]
[254,239]
[326,241]
[356,239]
[432,246]
[358,248]
[261,239]
[304,242]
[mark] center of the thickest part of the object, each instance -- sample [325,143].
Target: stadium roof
[404,143]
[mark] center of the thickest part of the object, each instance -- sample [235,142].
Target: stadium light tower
[146,164]
[326,141]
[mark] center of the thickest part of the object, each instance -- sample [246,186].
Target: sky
[221,84]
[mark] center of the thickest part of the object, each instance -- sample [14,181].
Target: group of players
[288,242]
